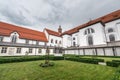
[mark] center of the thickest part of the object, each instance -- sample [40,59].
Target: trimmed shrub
[56,58]
[20,59]
[86,60]
[115,60]
[113,64]
[27,58]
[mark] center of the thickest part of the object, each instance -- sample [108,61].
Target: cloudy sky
[38,14]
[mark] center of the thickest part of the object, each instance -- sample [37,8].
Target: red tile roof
[104,19]
[51,32]
[24,33]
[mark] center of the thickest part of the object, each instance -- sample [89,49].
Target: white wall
[98,36]
[54,39]
[114,25]
[11,51]
[8,39]
[67,41]
[76,36]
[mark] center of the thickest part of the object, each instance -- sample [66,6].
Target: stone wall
[94,50]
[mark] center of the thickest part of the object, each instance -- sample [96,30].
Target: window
[51,40]
[14,38]
[37,42]
[59,42]
[56,41]
[18,50]
[74,38]
[1,38]
[110,30]
[60,50]
[30,50]
[27,42]
[92,30]
[90,40]
[85,32]
[74,43]
[55,50]
[111,37]
[39,50]
[89,31]
[4,50]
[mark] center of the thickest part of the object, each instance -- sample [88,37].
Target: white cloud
[39,14]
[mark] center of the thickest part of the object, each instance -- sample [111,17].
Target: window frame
[112,38]
[4,50]
[51,40]
[39,50]
[110,30]
[30,50]
[1,38]
[89,31]
[19,50]
[90,40]
[26,41]
[56,41]
[14,38]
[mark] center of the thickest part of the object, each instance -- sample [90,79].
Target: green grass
[63,70]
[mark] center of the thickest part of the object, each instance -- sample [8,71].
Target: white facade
[97,34]
[12,48]
[21,41]
[115,25]
[67,41]
[100,35]
[53,40]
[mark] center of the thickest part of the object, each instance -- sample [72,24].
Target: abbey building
[100,36]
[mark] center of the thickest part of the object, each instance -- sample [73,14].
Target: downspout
[105,33]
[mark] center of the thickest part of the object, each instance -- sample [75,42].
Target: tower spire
[60,29]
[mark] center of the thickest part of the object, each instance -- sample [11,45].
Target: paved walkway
[102,63]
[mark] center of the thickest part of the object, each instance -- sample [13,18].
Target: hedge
[20,59]
[27,58]
[86,60]
[115,60]
[113,63]
[56,58]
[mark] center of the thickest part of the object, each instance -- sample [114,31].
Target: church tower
[60,29]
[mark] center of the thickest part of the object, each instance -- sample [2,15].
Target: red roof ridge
[51,32]
[19,27]
[7,29]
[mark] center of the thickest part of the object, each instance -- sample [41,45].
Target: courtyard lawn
[63,70]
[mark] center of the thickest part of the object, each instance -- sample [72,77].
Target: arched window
[74,43]
[92,30]
[110,30]
[74,38]
[51,40]
[14,38]
[111,37]
[90,40]
[89,31]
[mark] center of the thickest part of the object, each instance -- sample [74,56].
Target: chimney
[60,29]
